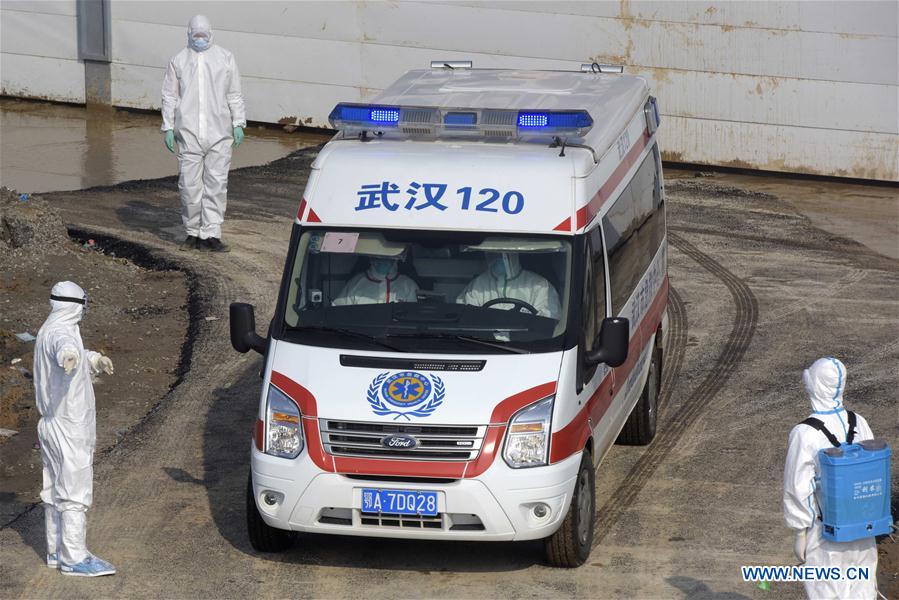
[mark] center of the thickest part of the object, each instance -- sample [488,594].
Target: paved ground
[758,292]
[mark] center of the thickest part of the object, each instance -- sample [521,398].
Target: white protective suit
[202,103]
[824,383]
[378,285]
[67,428]
[504,278]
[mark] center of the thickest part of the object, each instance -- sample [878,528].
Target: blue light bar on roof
[385,115]
[460,118]
[364,114]
[555,121]
[436,122]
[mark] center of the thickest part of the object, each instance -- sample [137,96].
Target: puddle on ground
[49,147]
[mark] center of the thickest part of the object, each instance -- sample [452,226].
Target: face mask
[199,43]
[501,267]
[381,267]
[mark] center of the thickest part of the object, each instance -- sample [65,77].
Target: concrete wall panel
[866,17]
[779,148]
[49,7]
[40,77]
[792,85]
[38,34]
[775,100]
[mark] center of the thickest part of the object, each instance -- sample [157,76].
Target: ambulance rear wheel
[640,427]
[263,537]
[570,546]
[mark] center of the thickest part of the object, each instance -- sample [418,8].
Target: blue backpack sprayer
[852,486]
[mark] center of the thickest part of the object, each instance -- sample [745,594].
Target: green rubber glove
[170,140]
[238,136]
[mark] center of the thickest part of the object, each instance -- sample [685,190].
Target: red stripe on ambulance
[301,210]
[586,213]
[564,225]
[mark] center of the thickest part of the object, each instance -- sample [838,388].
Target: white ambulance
[471,313]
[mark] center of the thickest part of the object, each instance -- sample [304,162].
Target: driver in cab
[381,283]
[504,278]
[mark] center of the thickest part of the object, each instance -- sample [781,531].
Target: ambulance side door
[594,382]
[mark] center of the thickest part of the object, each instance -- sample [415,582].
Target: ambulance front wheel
[570,546]
[640,427]
[263,537]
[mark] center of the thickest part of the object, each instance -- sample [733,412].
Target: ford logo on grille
[399,442]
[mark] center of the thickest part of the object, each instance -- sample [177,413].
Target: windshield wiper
[462,338]
[349,333]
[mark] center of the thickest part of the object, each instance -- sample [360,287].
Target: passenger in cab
[504,278]
[379,284]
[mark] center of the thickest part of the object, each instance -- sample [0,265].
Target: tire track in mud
[735,347]
[675,346]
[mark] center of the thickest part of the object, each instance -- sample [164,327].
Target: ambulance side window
[634,228]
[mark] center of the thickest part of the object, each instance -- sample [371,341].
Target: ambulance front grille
[434,442]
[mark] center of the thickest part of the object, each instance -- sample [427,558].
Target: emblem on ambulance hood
[405,394]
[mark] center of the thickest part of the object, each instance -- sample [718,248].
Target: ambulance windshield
[457,292]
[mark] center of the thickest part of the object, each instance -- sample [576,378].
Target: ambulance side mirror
[614,339]
[243,329]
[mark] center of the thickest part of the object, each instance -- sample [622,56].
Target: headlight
[527,441]
[283,425]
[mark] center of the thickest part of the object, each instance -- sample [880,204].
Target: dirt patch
[713,189]
[137,315]
[888,554]
[29,225]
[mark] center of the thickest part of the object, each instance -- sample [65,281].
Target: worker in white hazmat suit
[203,111]
[504,278]
[824,383]
[379,284]
[64,394]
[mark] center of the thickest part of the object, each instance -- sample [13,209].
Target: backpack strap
[853,420]
[819,425]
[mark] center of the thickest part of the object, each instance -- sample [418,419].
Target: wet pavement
[53,147]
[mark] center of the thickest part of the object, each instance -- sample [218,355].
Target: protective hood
[64,313]
[824,383]
[199,24]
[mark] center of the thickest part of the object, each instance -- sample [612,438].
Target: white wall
[787,86]
[39,51]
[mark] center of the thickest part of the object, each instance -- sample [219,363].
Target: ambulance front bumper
[498,505]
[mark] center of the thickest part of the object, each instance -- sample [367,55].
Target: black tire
[640,427]
[570,546]
[263,537]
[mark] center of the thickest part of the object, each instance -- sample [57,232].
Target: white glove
[100,363]
[799,545]
[69,360]
[104,363]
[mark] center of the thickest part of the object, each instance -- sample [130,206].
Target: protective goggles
[81,301]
